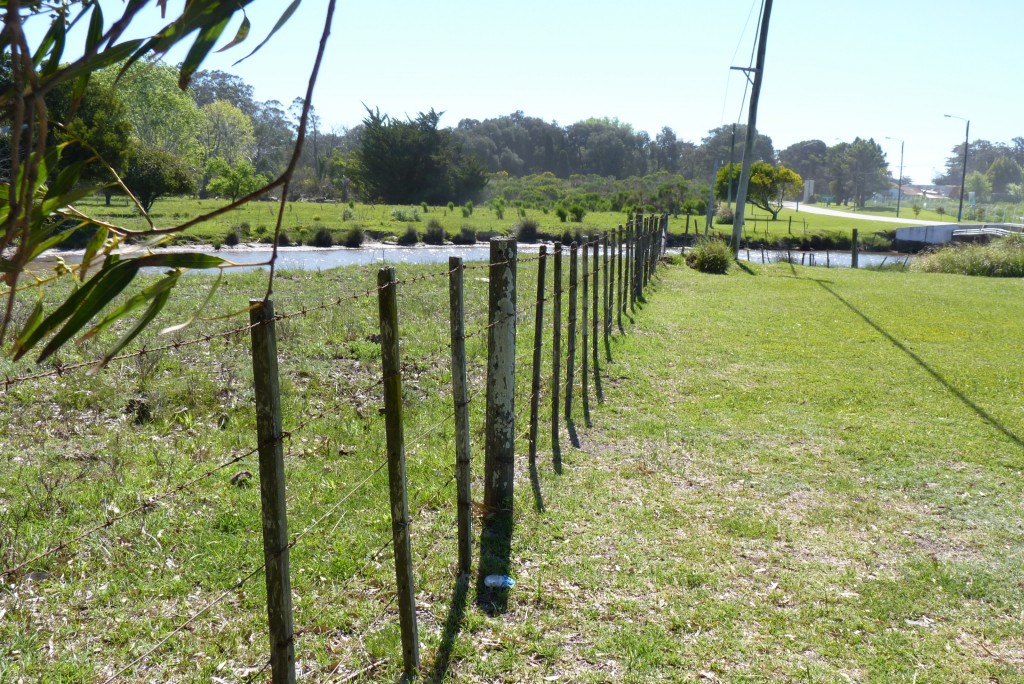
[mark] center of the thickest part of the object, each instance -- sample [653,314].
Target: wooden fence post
[460,397]
[585,301]
[391,369]
[570,356]
[538,343]
[556,346]
[854,250]
[500,430]
[272,490]
[605,301]
[631,262]
[596,318]
[619,282]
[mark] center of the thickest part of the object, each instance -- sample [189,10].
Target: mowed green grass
[796,475]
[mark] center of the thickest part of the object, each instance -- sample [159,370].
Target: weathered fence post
[460,397]
[854,250]
[619,282]
[605,301]
[500,439]
[585,301]
[570,356]
[556,346]
[391,368]
[596,318]
[269,435]
[538,343]
[631,262]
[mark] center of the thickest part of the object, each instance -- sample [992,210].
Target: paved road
[813,209]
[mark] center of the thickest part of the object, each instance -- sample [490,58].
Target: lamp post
[963,176]
[899,194]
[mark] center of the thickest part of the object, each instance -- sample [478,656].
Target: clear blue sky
[834,70]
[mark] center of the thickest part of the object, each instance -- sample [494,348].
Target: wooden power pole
[748,147]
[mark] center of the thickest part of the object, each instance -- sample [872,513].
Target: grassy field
[303,219]
[796,475]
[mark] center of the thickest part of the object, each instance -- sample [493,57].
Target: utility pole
[748,148]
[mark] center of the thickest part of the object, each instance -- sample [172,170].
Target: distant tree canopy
[768,186]
[413,161]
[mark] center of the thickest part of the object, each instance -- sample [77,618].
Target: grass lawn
[796,475]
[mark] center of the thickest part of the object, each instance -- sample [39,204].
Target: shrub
[351,204]
[466,236]
[322,238]
[569,237]
[466,212]
[347,215]
[409,237]
[526,230]
[451,206]
[405,215]
[1003,258]
[469,205]
[284,240]
[710,255]
[435,234]
[562,213]
[423,207]
[941,211]
[577,212]
[724,216]
[354,237]
[261,230]
[243,228]
[232,238]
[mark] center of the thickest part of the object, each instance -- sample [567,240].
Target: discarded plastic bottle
[499,582]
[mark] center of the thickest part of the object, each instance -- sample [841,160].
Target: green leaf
[288,12]
[49,40]
[111,283]
[95,34]
[132,303]
[180,260]
[96,243]
[56,53]
[154,308]
[199,50]
[242,34]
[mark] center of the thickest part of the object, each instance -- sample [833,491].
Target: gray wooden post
[605,300]
[854,250]
[585,301]
[460,397]
[556,346]
[596,318]
[500,430]
[538,343]
[619,283]
[391,368]
[272,491]
[570,356]
[631,263]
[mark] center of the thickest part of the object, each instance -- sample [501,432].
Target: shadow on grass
[495,559]
[746,269]
[967,401]
[574,437]
[452,625]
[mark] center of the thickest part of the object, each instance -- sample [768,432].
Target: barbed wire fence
[608,276]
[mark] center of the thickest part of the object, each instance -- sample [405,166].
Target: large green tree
[153,173]
[412,161]
[768,187]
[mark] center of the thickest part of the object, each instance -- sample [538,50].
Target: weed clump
[354,237]
[435,233]
[233,238]
[710,256]
[466,236]
[322,238]
[409,237]
[527,230]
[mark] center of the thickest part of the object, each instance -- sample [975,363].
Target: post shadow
[574,437]
[538,495]
[452,626]
[967,401]
[495,559]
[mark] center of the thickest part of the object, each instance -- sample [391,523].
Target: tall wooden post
[585,301]
[596,318]
[500,438]
[460,397]
[618,290]
[570,356]
[391,367]
[272,490]
[854,250]
[605,300]
[556,347]
[538,343]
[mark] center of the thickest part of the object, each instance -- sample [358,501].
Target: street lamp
[963,177]
[899,194]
